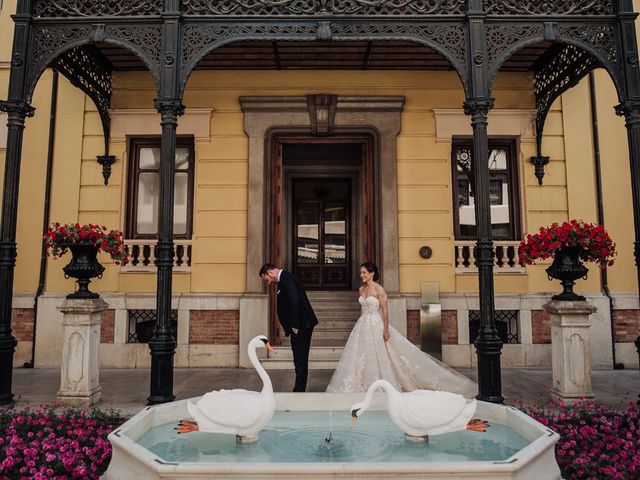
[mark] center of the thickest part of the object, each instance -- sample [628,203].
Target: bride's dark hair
[371,268]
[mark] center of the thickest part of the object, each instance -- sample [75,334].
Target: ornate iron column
[488,343]
[630,108]
[163,343]
[16,112]
[17,109]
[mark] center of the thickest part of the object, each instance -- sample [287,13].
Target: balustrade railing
[505,254]
[142,256]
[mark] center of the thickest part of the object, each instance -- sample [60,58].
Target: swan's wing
[426,408]
[232,408]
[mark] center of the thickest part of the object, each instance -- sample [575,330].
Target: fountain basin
[311,436]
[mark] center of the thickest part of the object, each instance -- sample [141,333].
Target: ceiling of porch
[290,55]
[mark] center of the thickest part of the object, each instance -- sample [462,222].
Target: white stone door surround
[379,116]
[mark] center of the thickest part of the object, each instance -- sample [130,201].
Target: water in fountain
[298,437]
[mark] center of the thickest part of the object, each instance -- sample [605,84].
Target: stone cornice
[502,122]
[299,104]
[146,121]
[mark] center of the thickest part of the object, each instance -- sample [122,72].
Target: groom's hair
[265,268]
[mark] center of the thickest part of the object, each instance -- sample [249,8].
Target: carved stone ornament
[550,7]
[328,7]
[91,8]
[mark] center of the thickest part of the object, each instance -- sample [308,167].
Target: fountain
[310,435]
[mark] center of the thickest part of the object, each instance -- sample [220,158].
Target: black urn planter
[83,267]
[567,268]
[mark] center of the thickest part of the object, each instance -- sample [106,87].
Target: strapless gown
[367,357]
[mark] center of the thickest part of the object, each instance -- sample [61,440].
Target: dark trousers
[300,344]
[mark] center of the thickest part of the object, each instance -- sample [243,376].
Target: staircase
[337,313]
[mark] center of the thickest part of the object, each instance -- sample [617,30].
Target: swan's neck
[373,388]
[266,381]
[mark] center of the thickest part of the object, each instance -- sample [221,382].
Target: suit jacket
[294,308]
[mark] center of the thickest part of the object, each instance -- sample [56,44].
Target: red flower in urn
[568,244]
[595,243]
[84,241]
[60,237]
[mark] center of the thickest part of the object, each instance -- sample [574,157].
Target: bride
[375,350]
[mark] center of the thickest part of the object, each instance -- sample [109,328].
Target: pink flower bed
[596,442]
[42,444]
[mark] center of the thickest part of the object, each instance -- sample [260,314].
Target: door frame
[365,200]
[269,116]
[352,248]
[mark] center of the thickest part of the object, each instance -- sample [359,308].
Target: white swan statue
[421,413]
[241,412]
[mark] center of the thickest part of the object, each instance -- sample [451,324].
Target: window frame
[512,176]
[136,143]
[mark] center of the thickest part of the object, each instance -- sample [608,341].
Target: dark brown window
[144,188]
[503,190]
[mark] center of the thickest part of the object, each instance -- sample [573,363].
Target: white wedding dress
[367,358]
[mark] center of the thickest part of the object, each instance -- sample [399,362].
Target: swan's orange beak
[270,348]
[354,421]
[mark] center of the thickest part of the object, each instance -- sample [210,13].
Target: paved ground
[127,389]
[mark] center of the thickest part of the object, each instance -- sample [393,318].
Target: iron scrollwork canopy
[91,8]
[324,7]
[550,7]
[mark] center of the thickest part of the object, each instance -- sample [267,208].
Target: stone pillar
[570,350]
[79,376]
[254,320]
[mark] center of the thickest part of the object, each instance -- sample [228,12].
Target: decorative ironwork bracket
[87,69]
[106,161]
[539,163]
[557,72]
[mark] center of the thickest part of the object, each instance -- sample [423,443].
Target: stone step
[332,294]
[335,335]
[320,358]
[336,313]
[313,365]
[334,324]
[316,353]
[335,305]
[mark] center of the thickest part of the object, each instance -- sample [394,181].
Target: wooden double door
[322,234]
[323,209]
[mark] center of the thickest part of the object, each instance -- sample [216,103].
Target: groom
[296,317]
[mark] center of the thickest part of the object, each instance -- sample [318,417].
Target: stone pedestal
[570,353]
[79,376]
[254,320]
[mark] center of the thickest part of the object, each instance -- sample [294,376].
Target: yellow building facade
[218,299]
